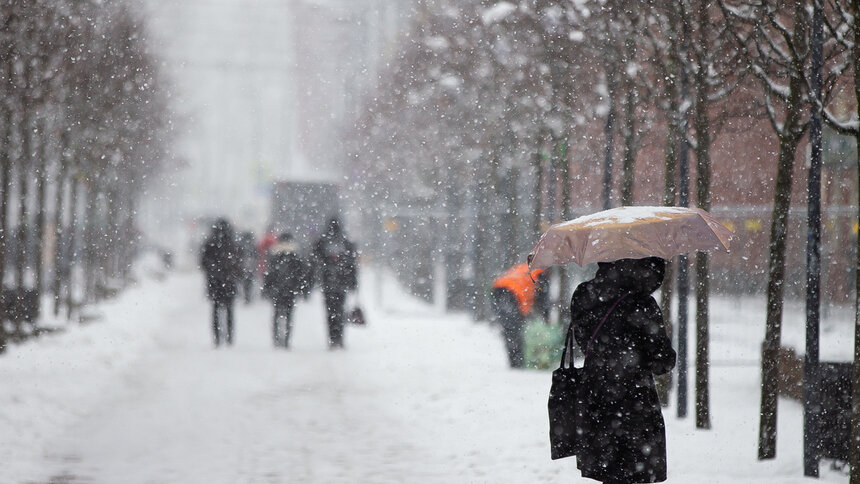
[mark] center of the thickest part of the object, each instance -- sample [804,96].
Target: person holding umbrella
[622,417]
[608,413]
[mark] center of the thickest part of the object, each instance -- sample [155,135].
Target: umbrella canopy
[630,233]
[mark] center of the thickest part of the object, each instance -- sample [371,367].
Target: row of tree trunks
[104,103]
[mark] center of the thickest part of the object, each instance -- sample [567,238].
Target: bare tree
[80,100]
[773,37]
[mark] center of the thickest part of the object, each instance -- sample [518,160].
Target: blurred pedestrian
[334,260]
[624,433]
[248,264]
[219,259]
[286,277]
[516,295]
[264,248]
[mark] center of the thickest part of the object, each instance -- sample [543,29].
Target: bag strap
[568,341]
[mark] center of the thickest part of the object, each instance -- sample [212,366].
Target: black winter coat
[335,260]
[623,423]
[287,276]
[220,261]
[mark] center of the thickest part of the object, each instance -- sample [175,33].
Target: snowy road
[411,399]
[415,397]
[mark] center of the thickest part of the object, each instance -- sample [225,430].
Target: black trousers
[224,308]
[512,324]
[282,323]
[334,301]
[248,288]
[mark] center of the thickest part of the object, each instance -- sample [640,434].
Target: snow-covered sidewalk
[143,397]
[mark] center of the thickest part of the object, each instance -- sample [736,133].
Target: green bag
[543,343]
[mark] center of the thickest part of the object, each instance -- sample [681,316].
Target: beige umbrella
[630,232]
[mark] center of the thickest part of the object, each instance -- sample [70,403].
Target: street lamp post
[811,380]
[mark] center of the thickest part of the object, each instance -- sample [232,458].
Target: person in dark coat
[517,294]
[285,278]
[334,260]
[625,436]
[219,259]
[264,248]
[248,264]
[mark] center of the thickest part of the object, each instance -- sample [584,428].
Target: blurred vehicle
[303,209]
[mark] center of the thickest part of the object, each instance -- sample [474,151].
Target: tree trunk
[130,236]
[24,164]
[564,282]
[74,242]
[112,240]
[6,176]
[89,239]
[59,234]
[703,196]
[609,134]
[41,183]
[775,286]
[512,228]
[629,159]
[854,442]
[481,309]
[664,381]
[703,408]
[537,216]
[854,445]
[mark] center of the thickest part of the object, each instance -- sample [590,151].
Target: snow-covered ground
[141,396]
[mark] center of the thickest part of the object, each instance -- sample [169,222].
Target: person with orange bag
[517,293]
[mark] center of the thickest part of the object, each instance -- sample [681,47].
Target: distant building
[338,47]
[262,88]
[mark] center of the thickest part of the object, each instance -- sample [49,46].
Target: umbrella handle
[529,259]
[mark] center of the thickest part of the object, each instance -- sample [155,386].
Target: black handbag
[568,398]
[356,317]
[565,404]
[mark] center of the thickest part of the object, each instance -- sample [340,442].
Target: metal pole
[811,437]
[683,265]
[450,238]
